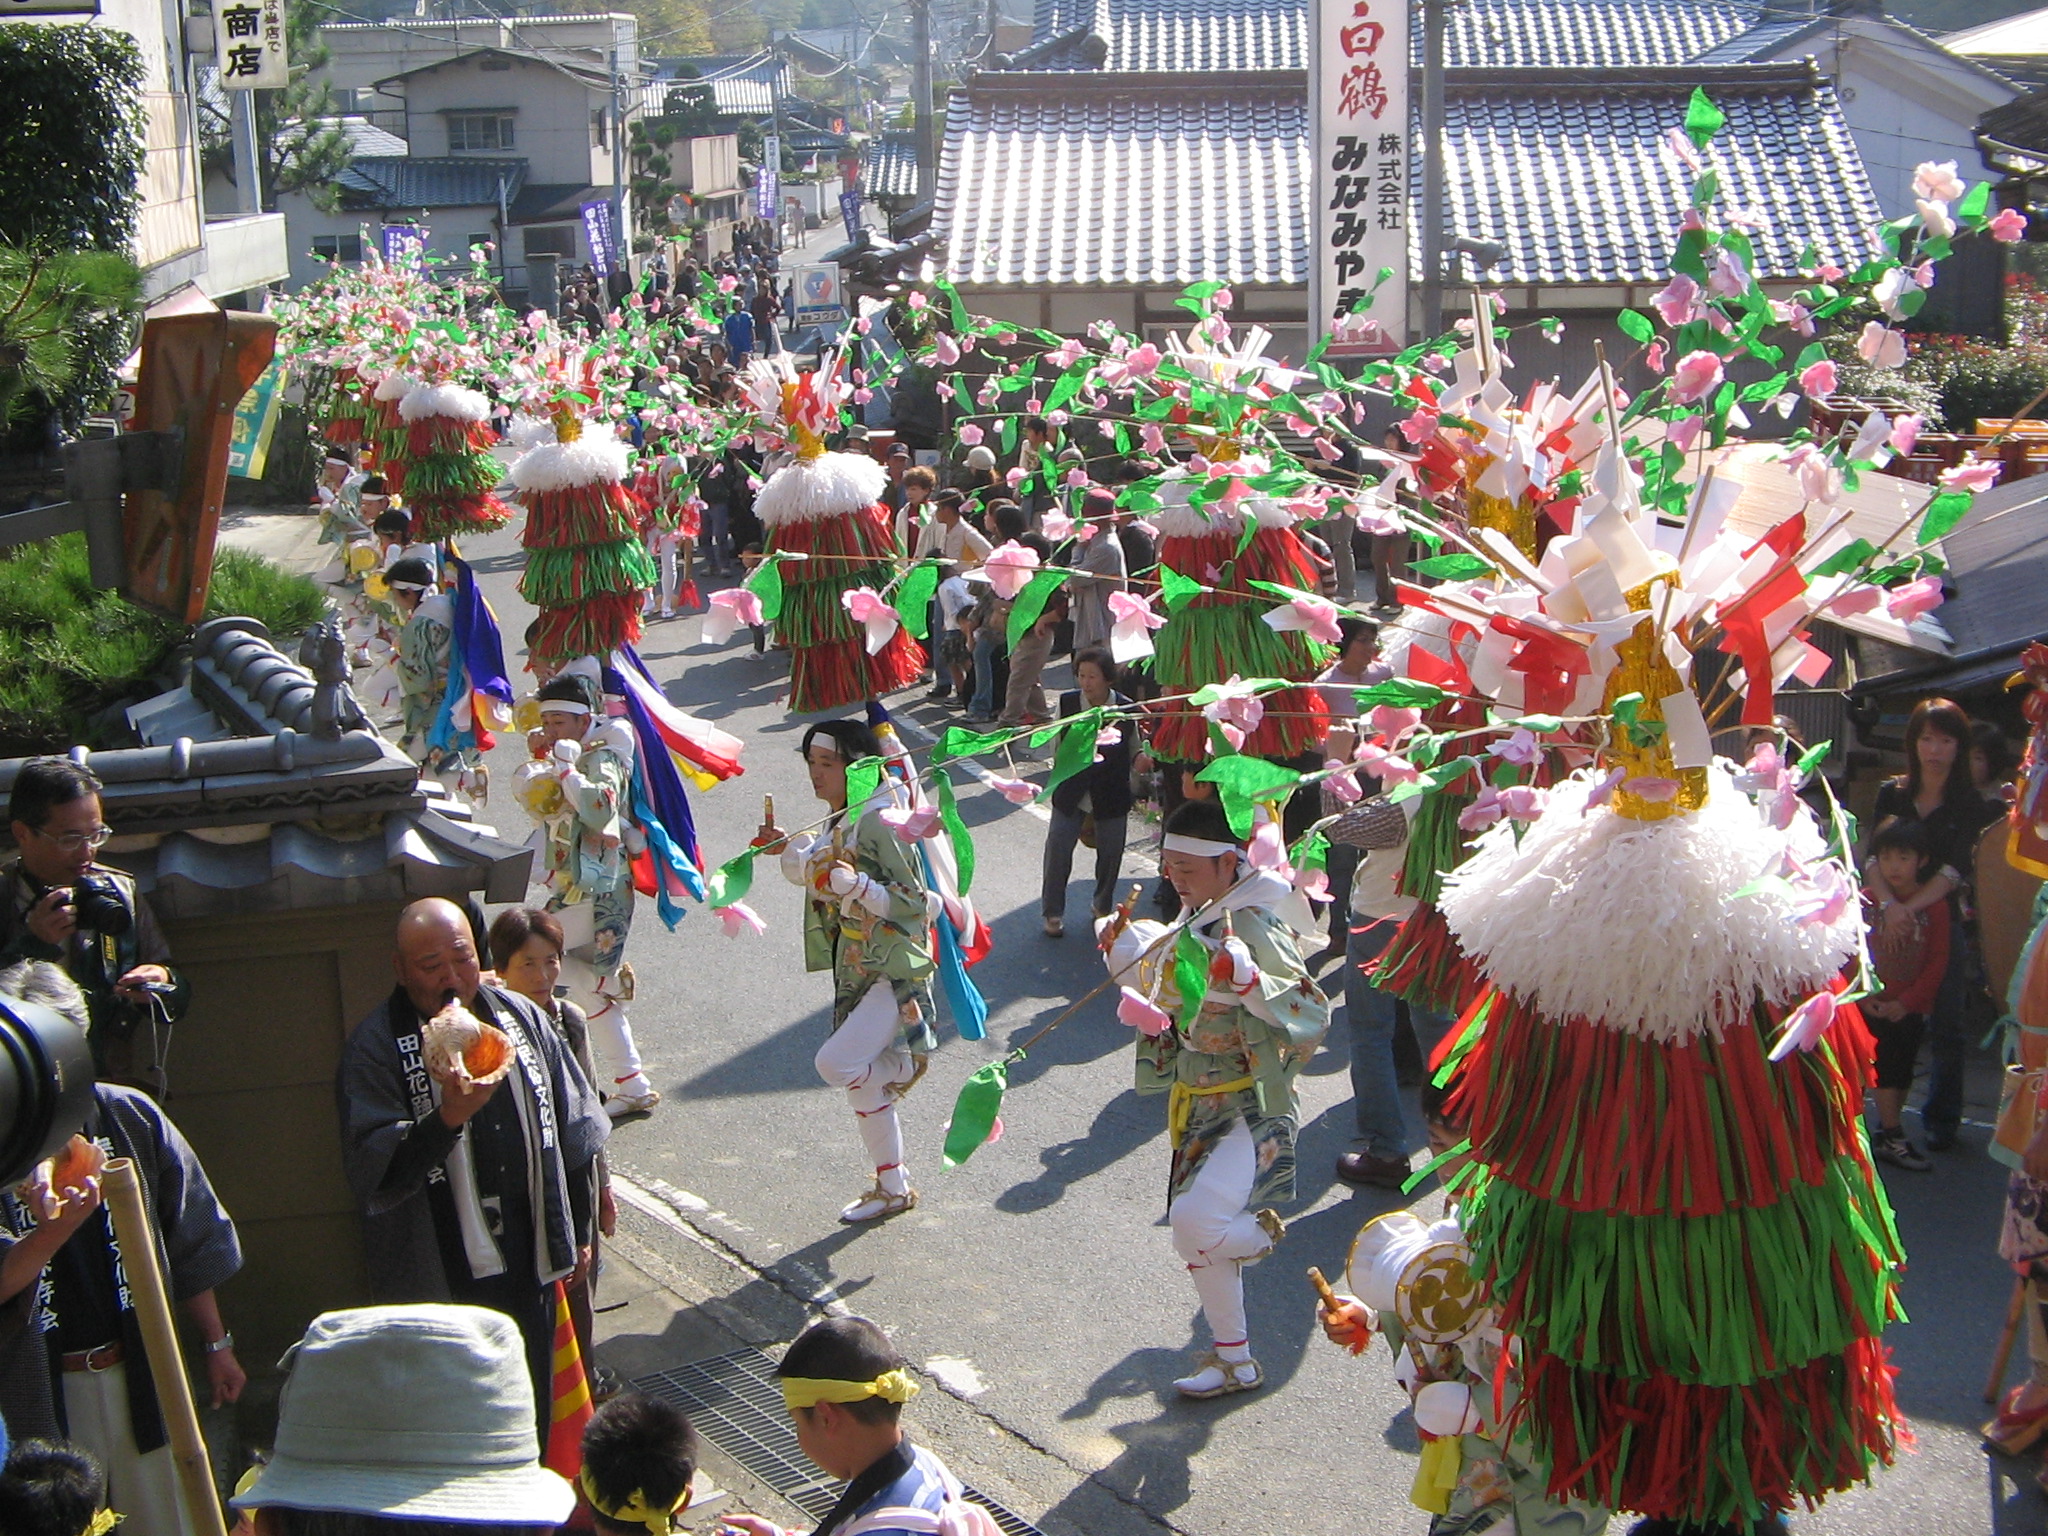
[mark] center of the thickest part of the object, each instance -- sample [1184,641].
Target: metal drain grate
[735,1402]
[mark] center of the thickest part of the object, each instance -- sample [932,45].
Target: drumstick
[767,810]
[1315,1278]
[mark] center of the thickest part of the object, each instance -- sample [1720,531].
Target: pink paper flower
[1685,431]
[1016,791]
[1266,850]
[1821,896]
[1235,703]
[1697,374]
[1066,354]
[1152,437]
[910,823]
[1142,1014]
[1056,526]
[1934,219]
[1313,616]
[2007,225]
[868,607]
[1388,767]
[1014,478]
[969,434]
[1937,181]
[739,918]
[1728,276]
[1132,623]
[1818,379]
[1076,479]
[1482,813]
[1343,783]
[1521,748]
[1972,475]
[1904,434]
[1655,357]
[729,609]
[1908,602]
[1805,1025]
[1880,346]
[1523,802]
[918,301]
[1679,144]
[945,349]
[1390,722]
[1653,789]
[1009,568]
[1857,599]
[1232,735]
[1604,790]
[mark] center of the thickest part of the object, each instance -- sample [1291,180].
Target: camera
[96,903]
[46,1080]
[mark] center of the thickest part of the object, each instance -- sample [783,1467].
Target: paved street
[1037,1284]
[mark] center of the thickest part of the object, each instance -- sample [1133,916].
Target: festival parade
[544,988]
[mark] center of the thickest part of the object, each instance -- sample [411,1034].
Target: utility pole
[921,98]
[1435,20]
[623,235]
[248,153]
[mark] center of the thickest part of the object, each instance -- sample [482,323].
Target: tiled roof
[426,181]
[1571,172]
[1185,35]
[546,202]
[741,85]
[889,168]
[1759,42]
[1077,179]
[365,137]
[1063,179]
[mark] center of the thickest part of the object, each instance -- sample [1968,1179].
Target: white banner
[1360,138]
[248,38]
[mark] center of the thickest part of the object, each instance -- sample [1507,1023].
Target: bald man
[473,1195]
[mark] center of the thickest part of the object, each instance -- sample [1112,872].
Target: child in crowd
[956,637]
[1911,970]
[52,1488]
[846,1386]
[639,1455]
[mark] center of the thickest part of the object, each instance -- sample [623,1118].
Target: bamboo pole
[132,1230]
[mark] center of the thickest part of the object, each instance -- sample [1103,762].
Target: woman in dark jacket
[1936,792]
[1101,792]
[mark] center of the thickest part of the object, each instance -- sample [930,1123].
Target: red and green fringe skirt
[438,518]
[598,513]
[593,628]
[452,474]
[346,412]
[1694,1249]
[444,434]
[1424,964]
[829,662]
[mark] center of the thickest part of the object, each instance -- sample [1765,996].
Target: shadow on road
[1121,1127]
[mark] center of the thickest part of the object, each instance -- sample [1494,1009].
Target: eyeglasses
[71,842]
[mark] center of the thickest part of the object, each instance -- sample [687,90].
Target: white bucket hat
[413,1413]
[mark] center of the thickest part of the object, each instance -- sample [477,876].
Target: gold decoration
[1641,667]
[809,446]
[1516,519]
[568,425]
[1441,1302]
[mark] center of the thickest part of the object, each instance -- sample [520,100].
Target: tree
[669,28]
[46,300]
[302,146]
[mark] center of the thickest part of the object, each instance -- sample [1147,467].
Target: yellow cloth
[1437,1476]
[636,1510]
[102,1523]
[1180,1103]
[808,1391]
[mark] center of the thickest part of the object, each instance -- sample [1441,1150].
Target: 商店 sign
[249,45]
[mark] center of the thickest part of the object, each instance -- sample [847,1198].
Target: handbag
[2019,1113]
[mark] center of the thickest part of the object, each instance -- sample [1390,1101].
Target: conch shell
[77,1167]
[461,1048]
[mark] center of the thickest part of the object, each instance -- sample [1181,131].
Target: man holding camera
[57,903]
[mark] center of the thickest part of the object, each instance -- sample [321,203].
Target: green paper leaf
[1846,559]
[1076,749]
[1243,781]
[1976,202]
[1703,119]
[956,829]
[1031,603]
[1176,590]
[1190,975]
[1401,693]
[960,742]
[731,880]
[914,597]
[975,1111]
[766,584]
[1456,566]
[1637,327]
[1943,513]
[1813,757]
[1311,851]
[863,778]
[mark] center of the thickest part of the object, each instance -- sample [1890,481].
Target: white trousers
[143,1488]
[611,1033]
[1214,1231]
[864,1057]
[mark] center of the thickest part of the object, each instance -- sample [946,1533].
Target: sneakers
[878,1205]
[1216,1377]
[1892,1147]
[620,1105]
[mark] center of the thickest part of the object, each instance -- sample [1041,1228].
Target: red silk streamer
[1783,540]
[1742,624]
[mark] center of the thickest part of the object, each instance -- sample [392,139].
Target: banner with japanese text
[603,236]
[1363,147]
[249,45]
[256,422]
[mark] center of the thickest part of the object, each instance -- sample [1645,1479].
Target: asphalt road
[1038,1282]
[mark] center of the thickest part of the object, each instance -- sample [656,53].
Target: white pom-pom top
[595,457]
[523,432]
[1638,925]
[831,485]
[448,401]
[1179,518]
[394,385]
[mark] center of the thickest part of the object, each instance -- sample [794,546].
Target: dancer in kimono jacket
[1227,1065]
[867,919]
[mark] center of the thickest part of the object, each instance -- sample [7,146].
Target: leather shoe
[1363,1168]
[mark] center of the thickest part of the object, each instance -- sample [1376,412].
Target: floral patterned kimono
[585,852]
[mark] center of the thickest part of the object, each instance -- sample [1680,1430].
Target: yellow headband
[636,1510]
[806,1392]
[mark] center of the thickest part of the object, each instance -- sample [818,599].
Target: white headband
[1200,846]
[409,586]
[562,707]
